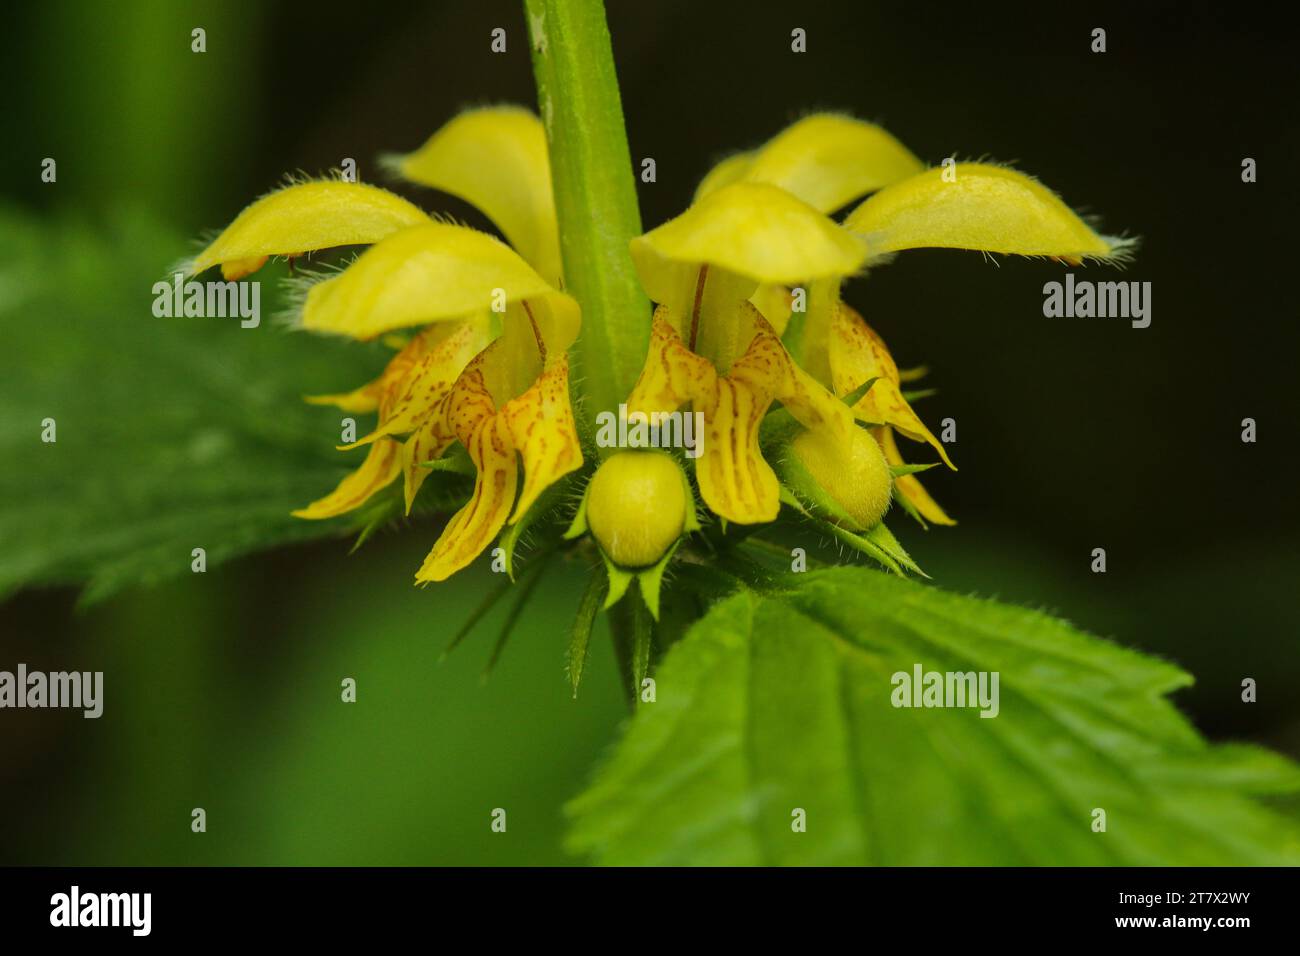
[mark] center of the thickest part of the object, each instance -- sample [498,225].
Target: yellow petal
[990,208]
[827,160]
[430,439]
[474,526]
[735,480]
[540,424]
[382,465]
[303,218]
[728,171]
[537,424]
[908,485]
[753,230]
[496,159]
[441,353]
[233,269]
[535,335]
[358,401]
[673,375]
[486,437]
[857,355]
[811,404]
[429,273]
[387,388]
[774,302]
[458,415]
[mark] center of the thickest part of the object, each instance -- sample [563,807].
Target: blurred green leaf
[229,698]
[172,434]
[783,701]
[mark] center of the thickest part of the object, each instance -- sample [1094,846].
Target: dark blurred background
[1072,433]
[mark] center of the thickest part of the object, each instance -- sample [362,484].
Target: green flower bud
[637,507]
[853,475]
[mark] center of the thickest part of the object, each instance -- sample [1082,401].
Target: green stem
[595,194]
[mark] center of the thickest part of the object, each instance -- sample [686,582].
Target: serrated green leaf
[172,433]
[776,704]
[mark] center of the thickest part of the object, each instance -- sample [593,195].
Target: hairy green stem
[595,194]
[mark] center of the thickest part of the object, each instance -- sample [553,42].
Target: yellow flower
[711,347]
[747,283]
[828,161]
[488,368]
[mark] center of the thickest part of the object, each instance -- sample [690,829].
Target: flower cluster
[488,366]
[748,285]
[801,401]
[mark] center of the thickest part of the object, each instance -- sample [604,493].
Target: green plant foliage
[782,701]
[172,433]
